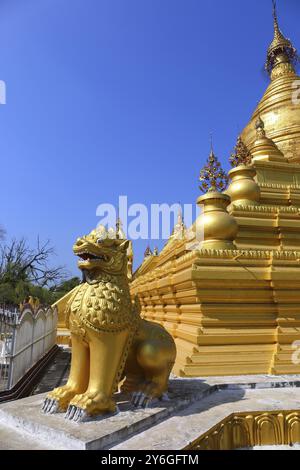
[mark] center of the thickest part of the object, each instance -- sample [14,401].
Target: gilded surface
[110,342]
[233,303]
[105,306]
[280,105]
[247,430]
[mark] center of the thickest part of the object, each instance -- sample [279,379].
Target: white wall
[33,336]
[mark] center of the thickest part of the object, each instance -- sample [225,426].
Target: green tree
[63,288]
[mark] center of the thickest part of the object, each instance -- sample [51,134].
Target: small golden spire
[265,148]
[259,123]
[211,143]
[155,251]
[260,128]
[180,228]
[148,252]
[212,175]
[241,155]
[281,50]
[275,16]
[119,229]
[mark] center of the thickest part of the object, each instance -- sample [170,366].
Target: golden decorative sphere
[219,228]
[243,189]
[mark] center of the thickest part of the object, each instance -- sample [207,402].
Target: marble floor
[195,406]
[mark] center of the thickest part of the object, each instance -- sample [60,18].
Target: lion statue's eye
[100,240]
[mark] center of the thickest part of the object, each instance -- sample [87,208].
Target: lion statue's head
[101,251]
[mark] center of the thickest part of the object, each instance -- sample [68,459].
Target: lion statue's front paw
[58,399]
[89,404]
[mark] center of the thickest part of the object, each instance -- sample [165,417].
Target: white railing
[24,339]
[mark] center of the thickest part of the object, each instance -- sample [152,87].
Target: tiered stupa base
[230,312]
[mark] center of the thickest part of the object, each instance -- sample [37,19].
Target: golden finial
[241,155]
[276,26]
[155,251]
[148,252]
[119,228]
[180,228]
[180,218]
[260,128]
[281,50]
[212,175]
[259,125]
[211,143]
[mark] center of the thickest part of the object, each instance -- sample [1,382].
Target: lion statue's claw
[50,406]
[140,400]
[165,397]
[76,414]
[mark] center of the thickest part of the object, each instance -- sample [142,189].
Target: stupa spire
[275,16]
[119,228]
[180,228]
[148,252]
[282,55]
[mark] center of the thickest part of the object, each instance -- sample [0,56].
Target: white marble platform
[195,406]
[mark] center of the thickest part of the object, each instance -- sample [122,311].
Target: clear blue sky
[113,97]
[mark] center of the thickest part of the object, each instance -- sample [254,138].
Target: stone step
[56,373]
[24,417]
[13,439]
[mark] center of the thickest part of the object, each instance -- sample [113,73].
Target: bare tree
[2,233]
[19,262]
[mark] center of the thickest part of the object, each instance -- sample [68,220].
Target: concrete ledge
[195,406]
[185,427]
[25,417]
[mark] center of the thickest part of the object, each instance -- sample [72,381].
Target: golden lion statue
[110,341]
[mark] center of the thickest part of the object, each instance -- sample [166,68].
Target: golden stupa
[277,109]
[233,302]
